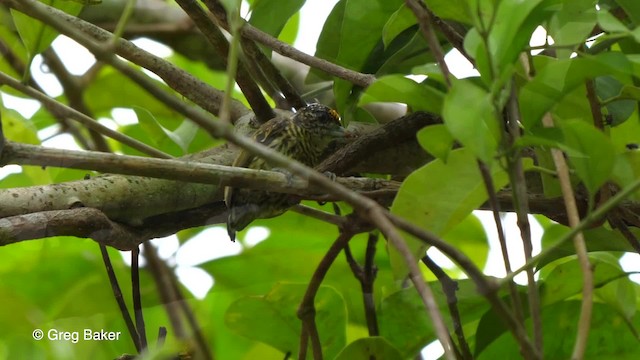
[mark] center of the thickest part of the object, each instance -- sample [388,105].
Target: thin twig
[264,67]
[320,215]
[289,51]
[117,294]
[137,299]
[370,272]
[495,210]
[74,114]
[74,93]
[449,288]
[425,22]
[306,310]
[165,290]
[521,204]
[578,240]
[168,278]
[176,78]
[19,67]
[581,248]
[617,222]
[486,286]
[212,33]
[380,218]
[366,276]
[174,169]
[586,222]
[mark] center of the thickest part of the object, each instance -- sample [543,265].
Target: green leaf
[544,91]
[597,239]
[407,50]
[367,348]
[470,237]
[572,24]
[595,164]
[348,37]
[404,322]
[399,21]
[437,140]
[439,203]
[627,170]
[561,319]
[613,93]
[457,10]
[36,36]
[110,89]
[563,281]
[271,16]
[620,294]
[397,88]
[610,23]
[470,117]
[17,128]
[632,8]
[514,22]
[272,318]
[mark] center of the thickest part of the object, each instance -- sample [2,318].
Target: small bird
[309,136]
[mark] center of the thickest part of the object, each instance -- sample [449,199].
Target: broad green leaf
[610,23]
[15,46]
[160,135]
[620,294]
[399,21]
[367,348]
[111,89]
[36,36]
[595,164]
[272,318]
[348,37]
[609,89]
[565,279]
[470,237]
[407,50]
[291,239]
[439,202]
[290,31]
[457,10]
[432,70]
[609,335]
[558,78]
[397,88]
[597,239]
[437,140]
[470,117]
[514,22]
[626,134]
[572,24]
[632,9]
[404,321]
[271,16]
[17,128]
[477,49]
[627,170]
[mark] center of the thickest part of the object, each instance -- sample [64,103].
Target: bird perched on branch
[308,137]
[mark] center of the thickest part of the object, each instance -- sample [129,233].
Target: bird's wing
[264,135]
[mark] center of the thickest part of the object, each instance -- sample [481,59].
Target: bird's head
[321,121]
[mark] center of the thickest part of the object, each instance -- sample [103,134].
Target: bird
[309,136]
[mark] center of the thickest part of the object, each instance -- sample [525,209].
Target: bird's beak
[339,132]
